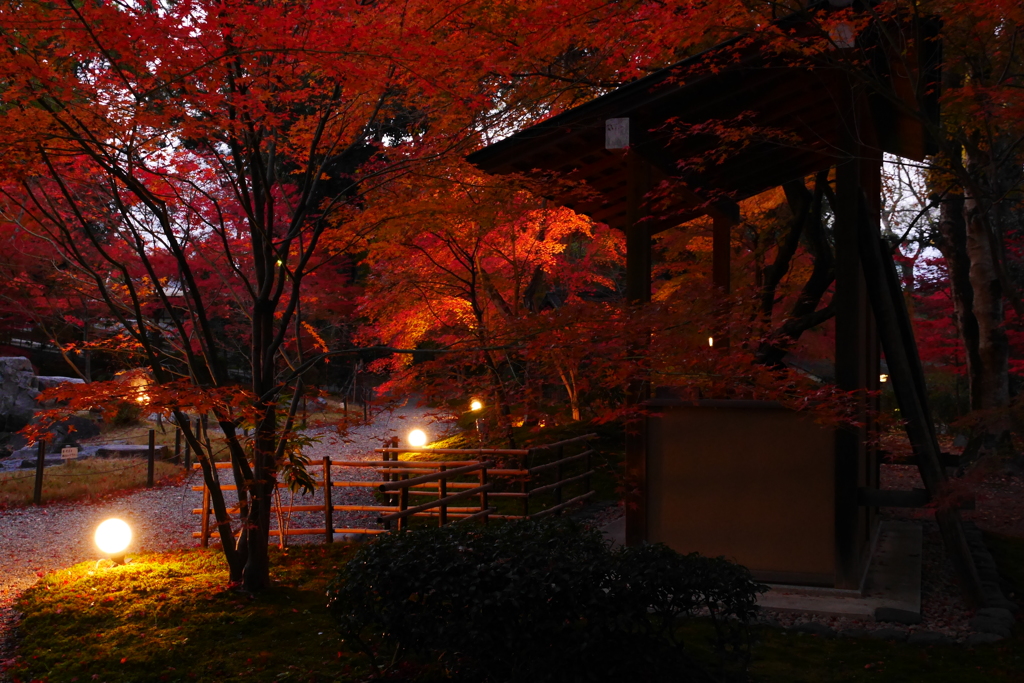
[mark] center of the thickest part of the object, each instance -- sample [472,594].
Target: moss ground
[172,617]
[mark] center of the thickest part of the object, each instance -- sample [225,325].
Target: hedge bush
[540,601]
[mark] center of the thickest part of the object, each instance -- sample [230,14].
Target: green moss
[173,617]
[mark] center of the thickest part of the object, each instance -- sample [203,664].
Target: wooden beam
[638,291]
[905,375]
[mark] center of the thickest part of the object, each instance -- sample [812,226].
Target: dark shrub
[536,601]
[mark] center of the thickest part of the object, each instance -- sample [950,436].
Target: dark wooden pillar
[856,351]
[638,291]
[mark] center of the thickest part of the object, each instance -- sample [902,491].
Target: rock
[899,616]
[769,622]
[49,381]
[888,634]
[17,393]
[69,431]
[929,638]
[983,638]
[815,629]
[998,613]
[853,633]
[989,625]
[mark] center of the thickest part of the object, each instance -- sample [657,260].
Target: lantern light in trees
[112,537]
[883,378]
[476,405]
[417,438]
[711,342]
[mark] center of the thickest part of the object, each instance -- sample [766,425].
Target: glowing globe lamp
[417,438]
[113,537]
[476,405]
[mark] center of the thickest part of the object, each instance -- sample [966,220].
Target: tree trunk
[990,379]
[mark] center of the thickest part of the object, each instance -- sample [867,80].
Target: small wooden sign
[69,452]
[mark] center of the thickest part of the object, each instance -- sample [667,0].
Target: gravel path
[36,540]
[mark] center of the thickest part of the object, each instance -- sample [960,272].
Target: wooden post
[177,445]
[188,455]
[198,431]
[442,493]
[486,519]
[328,502]
[37,493]
[403,504]
[589,464]
[638,291]
[150,457]
[524,485]
[560,475]
[204,536]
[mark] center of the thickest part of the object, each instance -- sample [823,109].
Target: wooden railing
[539,471]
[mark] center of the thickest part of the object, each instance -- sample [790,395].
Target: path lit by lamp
[417,438]
[475,405]
[112,537]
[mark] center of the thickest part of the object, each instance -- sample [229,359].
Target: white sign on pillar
[616,133]
[69,452]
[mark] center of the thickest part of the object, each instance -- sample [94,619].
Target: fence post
[524,485]
[328,503]
[151,455]
[589,464]
[37,494]
[559,473]
[442,493]
[486,519]
[188,452]
[204,539]
[198,429]
[403,503]
[177,445]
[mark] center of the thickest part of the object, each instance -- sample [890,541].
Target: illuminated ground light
[417,438]
[112,537]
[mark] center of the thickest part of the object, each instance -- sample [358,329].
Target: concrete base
[892,583]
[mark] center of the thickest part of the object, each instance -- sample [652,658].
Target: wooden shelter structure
[840,113]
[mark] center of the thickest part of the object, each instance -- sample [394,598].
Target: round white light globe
[417,438]
[476,405]
[113,536]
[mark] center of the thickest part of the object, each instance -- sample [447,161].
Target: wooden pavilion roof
[799,118]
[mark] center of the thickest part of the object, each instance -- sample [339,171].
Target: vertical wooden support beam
[638,291]
[856,346]
[177,445]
